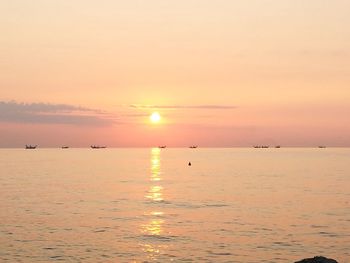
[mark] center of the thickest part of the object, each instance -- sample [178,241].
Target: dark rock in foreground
[317,260]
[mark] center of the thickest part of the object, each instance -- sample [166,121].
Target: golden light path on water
[153,228]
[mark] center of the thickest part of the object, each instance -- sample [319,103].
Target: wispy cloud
[214,107]
[46,113]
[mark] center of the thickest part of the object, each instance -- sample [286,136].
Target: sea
[149,205]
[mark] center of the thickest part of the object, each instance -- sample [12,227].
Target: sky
[220,73]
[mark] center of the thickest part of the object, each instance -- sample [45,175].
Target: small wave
[100,231]
[216,205]
[121,218]
[57,257]
[158,237]
[328,234]
[281,243]
[263,229]
[318,226]
[219,253]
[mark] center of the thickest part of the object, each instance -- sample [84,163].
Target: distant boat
[193,146]
[278,146]
[65,147]
[97,147]
[261,146]
[321,146]
[162,147]
[31,147]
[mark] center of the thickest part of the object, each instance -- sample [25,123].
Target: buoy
[189,164]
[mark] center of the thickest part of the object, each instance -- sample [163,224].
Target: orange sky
[221,73]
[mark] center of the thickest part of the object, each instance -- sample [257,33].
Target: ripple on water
[49,248]
[319,226]
[215,205]
[219,253]
[328,234]
[157,238]
[282,244]
[99,230]
[57,258]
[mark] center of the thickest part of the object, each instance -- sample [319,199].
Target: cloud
[214,107]
[46,113]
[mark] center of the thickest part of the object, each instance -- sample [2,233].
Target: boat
[278,146]
[162,147]
[97,147]
[31,147]
[193,146]
[65,147]
[261,146]
[321,146]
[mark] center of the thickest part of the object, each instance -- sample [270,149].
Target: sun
[155,117]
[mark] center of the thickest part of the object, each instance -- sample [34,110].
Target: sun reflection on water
[153,227]
[155,193]
[155,164]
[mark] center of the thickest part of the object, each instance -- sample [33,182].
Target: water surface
[148,205]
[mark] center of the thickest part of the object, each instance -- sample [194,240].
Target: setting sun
[155,117]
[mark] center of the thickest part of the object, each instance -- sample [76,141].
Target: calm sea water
[148,205]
